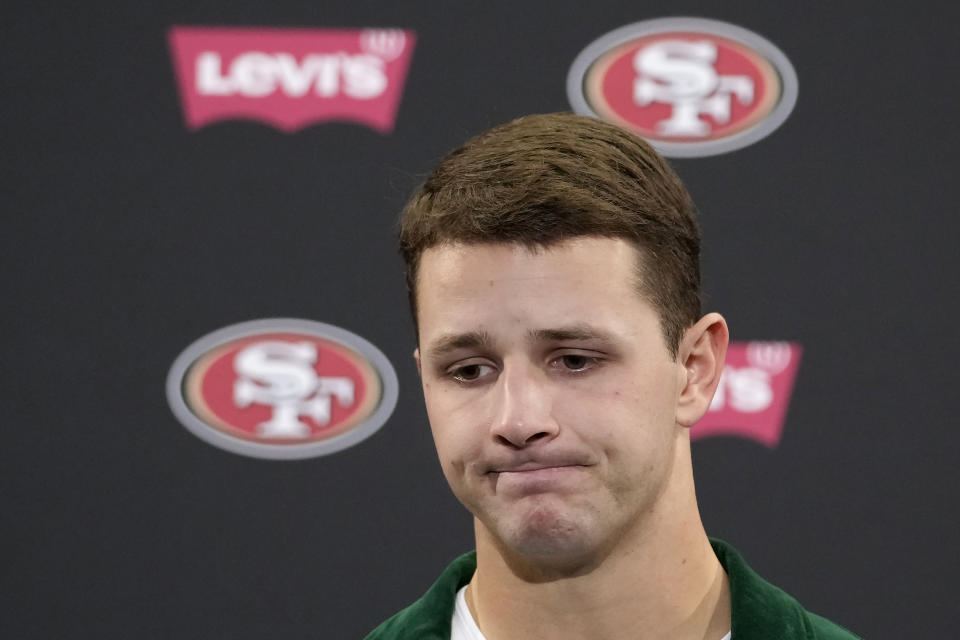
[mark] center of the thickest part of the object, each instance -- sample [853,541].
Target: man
[553,270]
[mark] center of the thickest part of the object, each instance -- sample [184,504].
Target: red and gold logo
[282,388]
[692,87]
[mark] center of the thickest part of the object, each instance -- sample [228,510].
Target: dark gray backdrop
[127,237]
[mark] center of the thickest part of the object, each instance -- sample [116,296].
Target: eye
[575,362]
[470,372]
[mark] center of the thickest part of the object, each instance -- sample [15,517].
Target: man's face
[551,393]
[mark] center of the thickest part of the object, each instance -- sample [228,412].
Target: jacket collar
[759,610]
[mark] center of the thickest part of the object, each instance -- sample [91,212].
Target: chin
[547,537]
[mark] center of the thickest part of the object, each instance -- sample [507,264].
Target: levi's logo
[754,392]
[291,78]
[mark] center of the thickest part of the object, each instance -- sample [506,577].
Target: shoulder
[826,630]
[429,617]
[760,610]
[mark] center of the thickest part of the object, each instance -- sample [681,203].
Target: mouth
[533,464]
[534,467]
[534,478]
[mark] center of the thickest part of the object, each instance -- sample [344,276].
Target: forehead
[461,263]
[585,280]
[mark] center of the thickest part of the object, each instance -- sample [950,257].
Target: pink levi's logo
[291,78]
[755,387]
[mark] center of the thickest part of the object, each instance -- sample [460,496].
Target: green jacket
[760,611]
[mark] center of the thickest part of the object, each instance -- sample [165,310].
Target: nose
[523,413]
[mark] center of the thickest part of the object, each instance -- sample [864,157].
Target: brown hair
[542,179]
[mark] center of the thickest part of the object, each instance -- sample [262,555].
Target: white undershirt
[464,627]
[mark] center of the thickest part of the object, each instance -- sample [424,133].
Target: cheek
[457,433]
[623,420]
[594,417]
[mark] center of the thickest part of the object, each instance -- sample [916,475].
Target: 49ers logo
[692,87]
[282,388]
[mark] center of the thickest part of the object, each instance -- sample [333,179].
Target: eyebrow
[573,332]
[454,341]
[450,342]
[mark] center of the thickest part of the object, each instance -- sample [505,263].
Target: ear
[702,353]
[416,356]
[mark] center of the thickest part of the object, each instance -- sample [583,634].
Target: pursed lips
[534,466]
[535,475]
[532,460]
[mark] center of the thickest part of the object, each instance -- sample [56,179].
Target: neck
[661,581]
